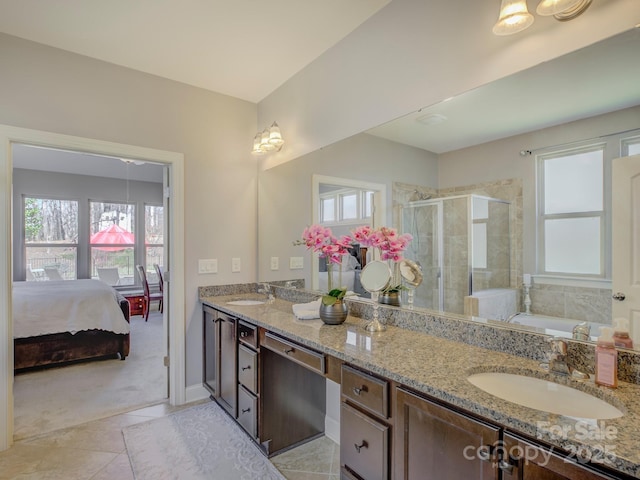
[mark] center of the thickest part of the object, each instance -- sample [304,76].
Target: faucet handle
[558,345]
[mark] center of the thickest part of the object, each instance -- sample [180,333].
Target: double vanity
[412,405]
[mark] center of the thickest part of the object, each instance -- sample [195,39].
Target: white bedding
[42,308]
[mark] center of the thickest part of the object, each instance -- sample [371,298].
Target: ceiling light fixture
[514,16]
[268,140]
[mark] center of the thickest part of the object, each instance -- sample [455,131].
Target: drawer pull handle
[291,350]
[364,444]
[246,411]
[359,390]
[244,334]
[484,453]
[248,367]
[505,466]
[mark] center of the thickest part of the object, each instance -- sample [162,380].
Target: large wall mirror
[484,143]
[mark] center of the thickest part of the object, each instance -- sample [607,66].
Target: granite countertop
[439,367]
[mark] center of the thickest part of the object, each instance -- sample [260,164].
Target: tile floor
[96,451]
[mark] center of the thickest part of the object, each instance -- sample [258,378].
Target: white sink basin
[544,395]
[245,302]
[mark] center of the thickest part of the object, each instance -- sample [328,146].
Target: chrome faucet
[511,317]
[558,360]
[582,331]
[266,289]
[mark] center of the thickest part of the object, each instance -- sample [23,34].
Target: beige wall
[285,192]
[47,89]
[415,53]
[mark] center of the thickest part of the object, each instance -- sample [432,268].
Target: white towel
[307,311]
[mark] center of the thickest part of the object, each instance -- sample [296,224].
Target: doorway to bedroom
[82,217]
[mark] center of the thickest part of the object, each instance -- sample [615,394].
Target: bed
[56,322]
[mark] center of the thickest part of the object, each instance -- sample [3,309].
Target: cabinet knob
[248,367]
[505,466]
[246,410]
[364,444]
[484,453]
[291,350]
[359,390]
[243,334]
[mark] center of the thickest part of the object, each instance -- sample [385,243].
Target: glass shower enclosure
[462,244]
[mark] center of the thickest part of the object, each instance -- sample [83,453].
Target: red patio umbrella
[112,235]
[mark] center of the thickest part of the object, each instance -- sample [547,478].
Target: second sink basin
[246,302]
[544,395]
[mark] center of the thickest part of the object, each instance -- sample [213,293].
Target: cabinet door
[228,364]
[211,352]
[529,461]
[363,444]
[435,442]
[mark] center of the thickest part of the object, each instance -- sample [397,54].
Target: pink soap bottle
[621,333]
[606,359]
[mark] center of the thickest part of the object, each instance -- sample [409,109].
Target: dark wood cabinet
[211,351]
[248,389]
[525,460]
[292,393]
[435,442]
[365,429]
[228,397]
[136,303]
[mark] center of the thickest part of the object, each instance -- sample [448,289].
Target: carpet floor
[56,398]
[200,442]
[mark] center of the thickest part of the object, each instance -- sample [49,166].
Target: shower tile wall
[579,303]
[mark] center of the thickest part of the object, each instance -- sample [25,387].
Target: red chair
[149,296]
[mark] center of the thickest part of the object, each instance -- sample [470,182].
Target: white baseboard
[195,393]
[332,429]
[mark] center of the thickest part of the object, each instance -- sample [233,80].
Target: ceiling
[242,48]
[220,45]
[597,79]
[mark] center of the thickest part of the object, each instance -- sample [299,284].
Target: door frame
[379,208]
[176,307]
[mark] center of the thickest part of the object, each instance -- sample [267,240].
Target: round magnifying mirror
[411,272]
[375,276]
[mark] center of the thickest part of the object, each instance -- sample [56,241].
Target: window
[572,213]
[349,206]
[51,238]
[631,146]
[154,239]
[112,242]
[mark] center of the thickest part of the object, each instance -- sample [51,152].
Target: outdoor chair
[52,273]
[109,275]
[148,295]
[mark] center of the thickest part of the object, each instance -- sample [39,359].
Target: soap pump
[606,359]
[621,333]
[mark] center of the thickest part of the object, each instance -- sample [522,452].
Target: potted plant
[333,308]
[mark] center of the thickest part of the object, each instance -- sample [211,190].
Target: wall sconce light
[514,16]
[269,140]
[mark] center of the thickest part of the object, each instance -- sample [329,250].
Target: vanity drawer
[364,444]
[248,368]
[248,411]
[304,356]
[366,391]
[248,334]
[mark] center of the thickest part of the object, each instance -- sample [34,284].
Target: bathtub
[562,327]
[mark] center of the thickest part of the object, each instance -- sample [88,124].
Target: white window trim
[565,278]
